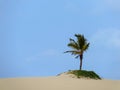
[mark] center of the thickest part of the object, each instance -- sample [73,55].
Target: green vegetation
[84,74]
[78,46]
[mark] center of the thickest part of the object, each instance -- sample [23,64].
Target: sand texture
[57,83]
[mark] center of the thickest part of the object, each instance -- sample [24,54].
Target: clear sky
[35,33]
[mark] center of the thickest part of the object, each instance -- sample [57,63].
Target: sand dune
[57,83]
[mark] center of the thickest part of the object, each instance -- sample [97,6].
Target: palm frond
[81,40]
[78,46]
[77,56]
[86,46]
[73,41]
[74,52]
[72,45]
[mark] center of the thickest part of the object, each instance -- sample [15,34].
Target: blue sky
[35,33]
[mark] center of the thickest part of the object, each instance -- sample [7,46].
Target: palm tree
[78,46]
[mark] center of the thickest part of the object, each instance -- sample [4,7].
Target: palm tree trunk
[81,57]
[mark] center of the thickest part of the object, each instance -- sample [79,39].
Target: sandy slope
[57,83]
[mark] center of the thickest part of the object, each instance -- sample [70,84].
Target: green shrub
[83,73]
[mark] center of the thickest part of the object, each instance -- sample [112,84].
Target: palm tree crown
[78,46]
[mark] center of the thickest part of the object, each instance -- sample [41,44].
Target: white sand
[57,83]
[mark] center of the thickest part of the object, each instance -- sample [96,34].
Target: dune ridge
[62,82]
